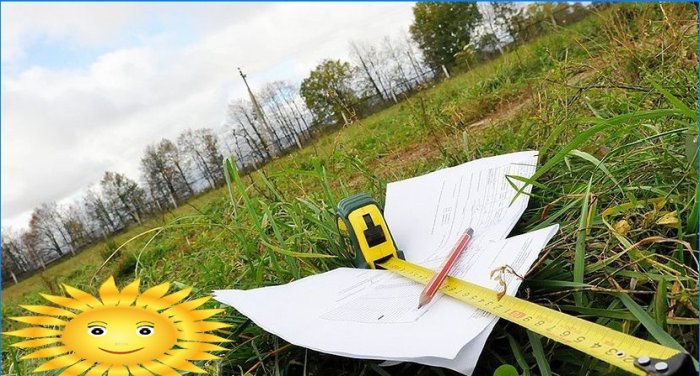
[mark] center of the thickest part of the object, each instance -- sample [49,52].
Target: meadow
[609,102]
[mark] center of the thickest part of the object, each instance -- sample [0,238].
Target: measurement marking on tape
[611,346]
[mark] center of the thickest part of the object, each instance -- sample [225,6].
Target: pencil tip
[419,305]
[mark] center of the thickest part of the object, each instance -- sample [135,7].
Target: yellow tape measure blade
[611,346]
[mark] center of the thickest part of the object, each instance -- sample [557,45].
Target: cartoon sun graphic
[122,332]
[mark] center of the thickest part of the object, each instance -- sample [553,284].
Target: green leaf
[506,370]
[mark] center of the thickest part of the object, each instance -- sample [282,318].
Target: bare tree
[30,242]
[212,152]
[240,117]
[503,13]
[172,156]
[397,65]
[163,172]
[75,223]
[415,57]
[100,212]
[124,196]
[15,260]
[289,94]
[490,21]
[201,146]
[362,55]
[190,144]
[46,230]
[274,102]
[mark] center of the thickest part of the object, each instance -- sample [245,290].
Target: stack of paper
[373,314]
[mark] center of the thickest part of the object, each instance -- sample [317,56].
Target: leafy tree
[443,29]
[328,93]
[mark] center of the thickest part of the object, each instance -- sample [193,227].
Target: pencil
[434,285]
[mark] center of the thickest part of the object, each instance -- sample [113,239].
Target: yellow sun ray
[203,337]
[152,295]
[34,332]
[171,299]
[128,295]
[97,370]
[39,320]
[77,369]
[201,326]
[59,362]
[82,296]
[118,371]
[160,369]
[192,354]
[187,306]
[160,333]
[48,352]
[191,330]
[203,314]
[67,302]
[201,346]
[109,293]
[38,342]
[179,364]
[139,371]
[46,310]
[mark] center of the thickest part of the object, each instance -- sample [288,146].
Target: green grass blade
[674,101]
[661,303]
[538,352]
[580,255]
[518,354]
[659,334]
[600,125]
[597,163]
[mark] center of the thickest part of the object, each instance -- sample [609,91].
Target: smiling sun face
[122,332]
[120,335]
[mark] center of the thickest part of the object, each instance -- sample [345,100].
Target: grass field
[610,103]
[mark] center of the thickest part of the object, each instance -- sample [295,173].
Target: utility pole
[274,140]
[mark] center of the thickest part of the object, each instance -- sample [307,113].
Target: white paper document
[373,314]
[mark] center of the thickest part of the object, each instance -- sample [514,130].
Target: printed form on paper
[372,314]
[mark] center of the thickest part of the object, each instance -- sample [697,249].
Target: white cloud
[62,128]
[86,24]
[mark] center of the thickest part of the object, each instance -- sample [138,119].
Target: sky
[85,87]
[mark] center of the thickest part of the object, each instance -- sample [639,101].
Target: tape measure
[360,218]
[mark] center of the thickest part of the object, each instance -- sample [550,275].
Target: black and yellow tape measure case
[360,219]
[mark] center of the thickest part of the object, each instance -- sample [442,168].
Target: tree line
[278,118]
